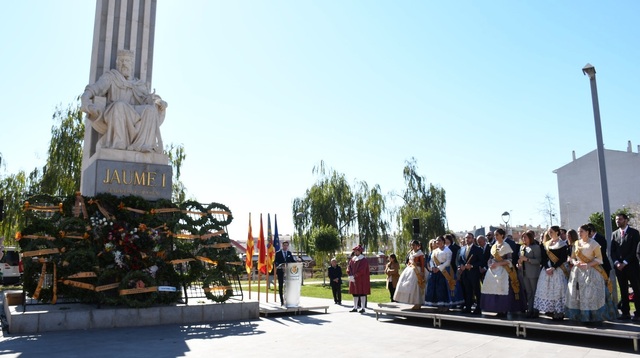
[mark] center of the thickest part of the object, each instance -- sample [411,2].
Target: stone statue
[129,118]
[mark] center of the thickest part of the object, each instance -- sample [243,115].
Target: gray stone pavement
[338,333]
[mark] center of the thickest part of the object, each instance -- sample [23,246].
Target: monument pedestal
[121,173]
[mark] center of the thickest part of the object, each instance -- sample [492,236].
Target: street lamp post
[505,217]
[590,71]
[299,217]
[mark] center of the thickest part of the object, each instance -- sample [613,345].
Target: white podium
[292,284]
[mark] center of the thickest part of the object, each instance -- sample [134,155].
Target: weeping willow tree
[424,201]
[333,202]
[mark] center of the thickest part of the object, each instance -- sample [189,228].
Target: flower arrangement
[117,250]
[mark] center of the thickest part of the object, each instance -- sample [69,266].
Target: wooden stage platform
[618,329]
[275,308]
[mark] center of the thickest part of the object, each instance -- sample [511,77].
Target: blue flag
[276,238]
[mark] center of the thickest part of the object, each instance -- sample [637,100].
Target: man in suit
[600,239]
[283,256]
[624,253]
[486,255]
[468,263]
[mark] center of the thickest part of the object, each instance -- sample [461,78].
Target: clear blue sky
[488,96]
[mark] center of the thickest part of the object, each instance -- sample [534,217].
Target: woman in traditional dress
[441,282]
[392,270]
[589,294]
[552,284]
[501,288]
[412,283]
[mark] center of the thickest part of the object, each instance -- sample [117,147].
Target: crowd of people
[562,274]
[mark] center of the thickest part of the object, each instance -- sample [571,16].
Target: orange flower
[18,236]
[121,206]
[142,227]
[26,205]
[152,211]
[60,207]
[62,234]
[86,235]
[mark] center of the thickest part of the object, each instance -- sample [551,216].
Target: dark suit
[606,265]
[486,255]
[335,273]
[470,278]
[282,258]
[625,248]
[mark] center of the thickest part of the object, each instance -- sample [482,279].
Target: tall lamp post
[299,217]
[590,71]
[505,217]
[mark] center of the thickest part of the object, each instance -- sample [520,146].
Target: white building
[579,193]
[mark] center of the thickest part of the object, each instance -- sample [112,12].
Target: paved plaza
[338,333]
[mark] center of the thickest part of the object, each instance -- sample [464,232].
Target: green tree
[326,242]
[12,189]
[61,174]
[329,202]
[177,156]
[371,208]
[424,201]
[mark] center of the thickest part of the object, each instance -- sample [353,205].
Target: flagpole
[276,248]
[249,256]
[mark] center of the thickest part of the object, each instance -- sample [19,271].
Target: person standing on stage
[624,246]
[359,281]
[469,261]
[392,270]
[335,279]
[282,257]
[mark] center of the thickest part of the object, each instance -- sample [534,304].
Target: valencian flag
[249,259]
[262,257]
[271,252]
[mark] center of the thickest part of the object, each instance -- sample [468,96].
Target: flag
[262,257]
[271,253]
[276,238]
[249,259]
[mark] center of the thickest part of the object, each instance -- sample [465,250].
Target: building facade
[579,193]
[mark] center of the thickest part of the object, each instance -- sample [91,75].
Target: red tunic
[359,269]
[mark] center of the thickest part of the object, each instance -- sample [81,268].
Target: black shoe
[624,316]
[477,312]
[635,318]
[466,310]
[362,310]
[354,310]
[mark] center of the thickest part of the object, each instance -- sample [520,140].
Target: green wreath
[167,276]
[111,296]
[138,300]
[75,261]
[33,268]
[216,278]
